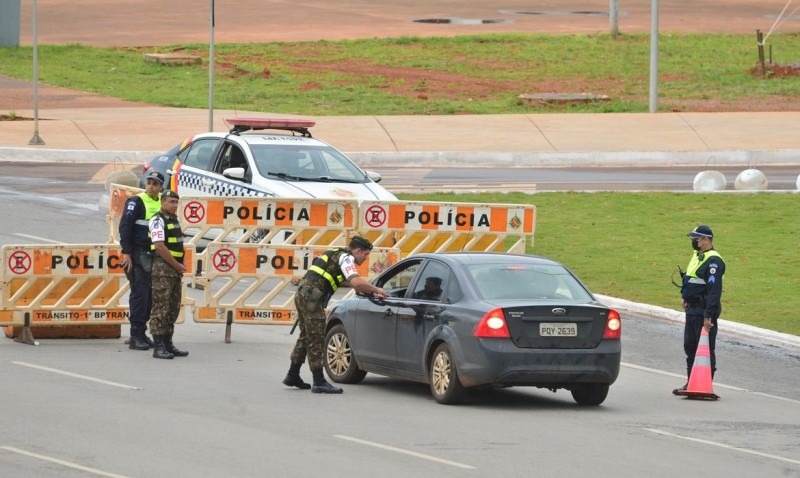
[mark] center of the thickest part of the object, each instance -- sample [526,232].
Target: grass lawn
[628,245]
[463,75]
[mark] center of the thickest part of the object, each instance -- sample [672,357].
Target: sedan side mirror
[374,175]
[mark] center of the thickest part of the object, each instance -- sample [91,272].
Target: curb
[676,316]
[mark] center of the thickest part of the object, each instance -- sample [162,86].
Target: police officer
[327,272]
[136,258]
[168,270]
[701,292]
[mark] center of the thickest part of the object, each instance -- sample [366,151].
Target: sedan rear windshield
[526,282]
[305,163]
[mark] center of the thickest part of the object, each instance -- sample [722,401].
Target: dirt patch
[431,85]
[776,71]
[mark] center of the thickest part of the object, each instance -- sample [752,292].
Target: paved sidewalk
[135,133]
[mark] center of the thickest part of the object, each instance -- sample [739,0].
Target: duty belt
[696,302]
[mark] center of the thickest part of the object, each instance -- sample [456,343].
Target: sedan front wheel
[340,362]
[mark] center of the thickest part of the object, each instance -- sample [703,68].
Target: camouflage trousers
[166,290]
[310,304]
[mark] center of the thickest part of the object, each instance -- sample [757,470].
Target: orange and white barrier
[65,284]
[416,227]
[256,283]
[260,247]
[265,220]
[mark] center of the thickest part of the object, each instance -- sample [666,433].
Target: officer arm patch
[157,233]
[348,265]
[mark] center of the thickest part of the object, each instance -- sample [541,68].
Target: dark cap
[434,279]
[360,242]
[155,176]
[701,231]
[169,193]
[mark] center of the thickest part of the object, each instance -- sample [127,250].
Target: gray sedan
[461,321]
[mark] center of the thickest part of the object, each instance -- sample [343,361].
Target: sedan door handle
[207,183]
[428,316]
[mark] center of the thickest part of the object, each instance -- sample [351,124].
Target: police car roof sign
[239,125]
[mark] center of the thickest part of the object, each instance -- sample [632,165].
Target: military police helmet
[360,242]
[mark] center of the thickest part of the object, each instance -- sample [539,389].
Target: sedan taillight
[146,168]
[613,325]
[492,326]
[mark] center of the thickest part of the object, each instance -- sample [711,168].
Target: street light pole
[36,140]
[211,72]
[612,18]
[654,57]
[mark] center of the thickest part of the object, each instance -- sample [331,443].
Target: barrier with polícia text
[66,284]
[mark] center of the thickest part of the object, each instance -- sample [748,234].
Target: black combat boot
[321,385]
[148,340]
[160,350]
[171,348]
[293,377]
[138,339]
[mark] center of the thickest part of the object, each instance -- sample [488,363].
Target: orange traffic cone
[700,385]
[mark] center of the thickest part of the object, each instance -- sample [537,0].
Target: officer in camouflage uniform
[327,272]
[168,270]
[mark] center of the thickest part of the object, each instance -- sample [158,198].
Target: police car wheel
[340,361]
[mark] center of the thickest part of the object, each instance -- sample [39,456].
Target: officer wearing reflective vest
[334,268]
[168,270]
[701,292]
[136,258]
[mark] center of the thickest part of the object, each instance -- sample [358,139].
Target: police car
[265,158]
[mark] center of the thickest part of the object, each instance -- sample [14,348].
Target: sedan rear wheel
[590,394]
[340,362]
[445,384]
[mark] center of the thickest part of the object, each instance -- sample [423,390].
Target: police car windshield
[306,163]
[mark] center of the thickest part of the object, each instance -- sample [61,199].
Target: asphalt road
[54,177]
[780,178]
[95,408]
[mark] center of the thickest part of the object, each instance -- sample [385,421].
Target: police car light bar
[239,125]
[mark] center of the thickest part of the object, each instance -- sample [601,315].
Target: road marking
[61,462]
[406,452]
[36,238]
[75,375]
[716,384]
[722,445]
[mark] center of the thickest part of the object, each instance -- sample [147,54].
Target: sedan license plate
[558,330]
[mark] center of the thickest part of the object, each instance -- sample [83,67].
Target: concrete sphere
[710,181]
[751,180]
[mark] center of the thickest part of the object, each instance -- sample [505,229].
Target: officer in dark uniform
[327,272]
[167,276]
[136,257]
[701,292]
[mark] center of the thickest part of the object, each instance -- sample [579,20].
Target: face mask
[695,244]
